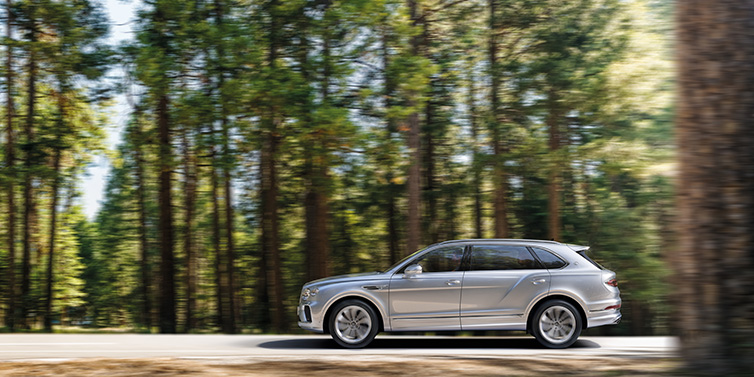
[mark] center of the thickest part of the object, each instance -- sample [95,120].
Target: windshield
[404,259]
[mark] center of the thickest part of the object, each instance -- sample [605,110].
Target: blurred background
[254,145]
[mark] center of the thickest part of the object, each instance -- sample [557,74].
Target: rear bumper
[604,318]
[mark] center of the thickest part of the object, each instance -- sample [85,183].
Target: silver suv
[548,289]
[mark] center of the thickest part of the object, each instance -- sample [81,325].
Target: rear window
[550,260]
[583,254]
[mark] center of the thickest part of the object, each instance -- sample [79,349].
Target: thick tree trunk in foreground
[189,200]
[715,259]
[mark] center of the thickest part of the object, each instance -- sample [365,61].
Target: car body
[549,289]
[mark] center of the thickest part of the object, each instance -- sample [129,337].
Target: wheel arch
[558,296]
[365,299]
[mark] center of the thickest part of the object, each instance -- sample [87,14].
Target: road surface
[52,347]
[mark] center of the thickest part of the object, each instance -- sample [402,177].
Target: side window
[441,260]
[502,257]
[550,260]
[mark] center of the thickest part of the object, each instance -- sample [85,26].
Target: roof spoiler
[578,248]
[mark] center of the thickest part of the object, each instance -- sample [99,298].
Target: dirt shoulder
[428,366]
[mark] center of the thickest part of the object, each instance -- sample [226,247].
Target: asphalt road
[77,346]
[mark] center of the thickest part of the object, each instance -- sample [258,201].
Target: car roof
[513,240]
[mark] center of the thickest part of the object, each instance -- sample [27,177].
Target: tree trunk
[220,265]
[477,171]
[269,191]
[233,312]
[555,174]
[270,231]
[389,93]
[713,279]
[189,199]
[415,154]
[30,164]
[10,158]
[499,176]
[54,209]
[146,304]
[167,266]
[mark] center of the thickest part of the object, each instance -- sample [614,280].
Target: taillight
[612,307]
[612,282]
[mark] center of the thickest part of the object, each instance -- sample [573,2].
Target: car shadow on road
[423,343]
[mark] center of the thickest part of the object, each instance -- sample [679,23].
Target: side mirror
[412,271]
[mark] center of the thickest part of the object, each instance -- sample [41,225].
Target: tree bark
[54,208]
[220,265]
[715,257]
[389,93]
[10,158]
[167,264]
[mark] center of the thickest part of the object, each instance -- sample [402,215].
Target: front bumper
[307,320]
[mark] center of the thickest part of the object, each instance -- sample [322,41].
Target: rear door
[501,282]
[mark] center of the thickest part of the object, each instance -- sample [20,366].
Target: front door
[430,300]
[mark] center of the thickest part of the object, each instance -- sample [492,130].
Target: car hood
[346,278]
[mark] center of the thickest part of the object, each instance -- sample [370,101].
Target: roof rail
[501,239]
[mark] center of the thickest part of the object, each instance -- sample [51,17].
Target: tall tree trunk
[715,258]
[30,163]
[317,176]
[54,207]
[10,158]
[146,303]
[53,230]
[477,171]
[233,315]
[232,318]
[189,199]
[555,174]
[415,154]
[270,231]
[500,178]
[432,219]
[389,93]
[269,190]
[220,265]
[167,265]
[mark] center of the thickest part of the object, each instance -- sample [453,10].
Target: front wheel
[353,324]
[557,324]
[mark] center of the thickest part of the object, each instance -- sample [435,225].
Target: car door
[429,300]
[501,282]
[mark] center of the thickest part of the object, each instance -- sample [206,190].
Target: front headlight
[309,292]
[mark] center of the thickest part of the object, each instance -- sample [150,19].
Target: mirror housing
[412,271]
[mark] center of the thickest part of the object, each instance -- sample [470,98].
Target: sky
[121,14]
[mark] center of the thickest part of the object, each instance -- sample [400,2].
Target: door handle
[452,282]
[538,281]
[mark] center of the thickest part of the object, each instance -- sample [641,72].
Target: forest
[273,142]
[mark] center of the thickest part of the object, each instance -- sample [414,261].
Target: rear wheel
[353,324]
[557,324]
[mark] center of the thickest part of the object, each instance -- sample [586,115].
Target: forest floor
[329,367]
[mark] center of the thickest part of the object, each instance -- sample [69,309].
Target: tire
[353,324]
[556,324]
